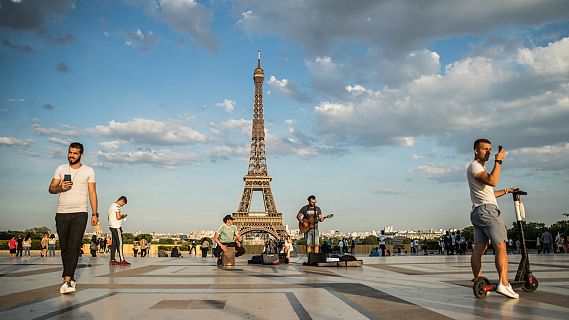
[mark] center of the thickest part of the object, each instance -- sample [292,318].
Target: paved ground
[433,287]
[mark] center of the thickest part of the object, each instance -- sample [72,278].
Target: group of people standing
[547,244]
[22,246]
[453,242]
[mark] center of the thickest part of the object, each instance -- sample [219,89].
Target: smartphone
[499,148]
[66,177]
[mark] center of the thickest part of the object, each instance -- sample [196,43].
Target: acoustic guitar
[311,223]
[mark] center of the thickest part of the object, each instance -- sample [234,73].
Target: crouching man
[226,236]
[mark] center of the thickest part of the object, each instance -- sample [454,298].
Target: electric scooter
[524,277]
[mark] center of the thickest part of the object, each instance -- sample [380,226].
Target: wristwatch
[499,161]
[95,214]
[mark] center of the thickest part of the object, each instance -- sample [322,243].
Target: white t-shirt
[113,221]
[480,193]
[75,199]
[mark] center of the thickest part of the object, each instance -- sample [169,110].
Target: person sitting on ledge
[175,253]
[226,236]
[162,253]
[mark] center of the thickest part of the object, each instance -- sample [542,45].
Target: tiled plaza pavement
[410,287]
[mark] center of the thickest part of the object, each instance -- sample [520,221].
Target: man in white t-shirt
[116,217]
[75,184]
[485,215]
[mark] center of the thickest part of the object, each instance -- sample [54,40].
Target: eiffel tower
[257,178]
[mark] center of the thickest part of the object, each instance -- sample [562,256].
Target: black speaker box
[270,258]
[283,258]
[315,258]
[347,257]
[256,260]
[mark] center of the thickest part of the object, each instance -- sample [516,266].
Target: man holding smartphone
[75,184]
[485,214]
[116,217]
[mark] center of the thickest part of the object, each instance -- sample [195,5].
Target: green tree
[146,236]
[532,230]
[37,232]
[166,241]
[468,234]
[369,240]
[7,235]
[127,238]
[561,227]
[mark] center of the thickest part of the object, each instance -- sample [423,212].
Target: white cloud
[143,42]
[337,111]
[387,191]
[227,104]
[161,158]
[416,157]
[59,141]
[63,130]
[403,141]
[185,16]
[11,141]
[111,145]
[474,96]
[356,90]
[280,86]
[232,127]
[287,88]
[553,59]
[372,24]
[225,152]
[548,157]
[247,18]
[149,132]
[442,173]
[326,74]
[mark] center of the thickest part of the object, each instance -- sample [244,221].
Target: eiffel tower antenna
[257,178]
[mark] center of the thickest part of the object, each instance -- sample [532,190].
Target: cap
[227,217]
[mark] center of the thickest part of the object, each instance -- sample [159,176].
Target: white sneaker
[66,287]
[507,291]
[73,283]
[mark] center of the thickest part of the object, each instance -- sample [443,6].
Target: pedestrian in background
[51,245]
[27,245]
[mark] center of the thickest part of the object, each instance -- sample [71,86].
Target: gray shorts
[313,234]
[488,225]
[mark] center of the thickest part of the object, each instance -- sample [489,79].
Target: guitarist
[313,213]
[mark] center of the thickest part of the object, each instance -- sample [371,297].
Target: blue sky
[372,106]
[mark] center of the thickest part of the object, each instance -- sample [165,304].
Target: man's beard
[76,161]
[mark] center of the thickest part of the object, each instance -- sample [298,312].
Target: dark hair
[94,238]
[227,217]
[52,236]
[28,236]
[311,197]
[77,145]
[122,198]
[479,141]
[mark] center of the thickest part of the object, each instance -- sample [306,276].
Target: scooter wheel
[531,284]
[478,288]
